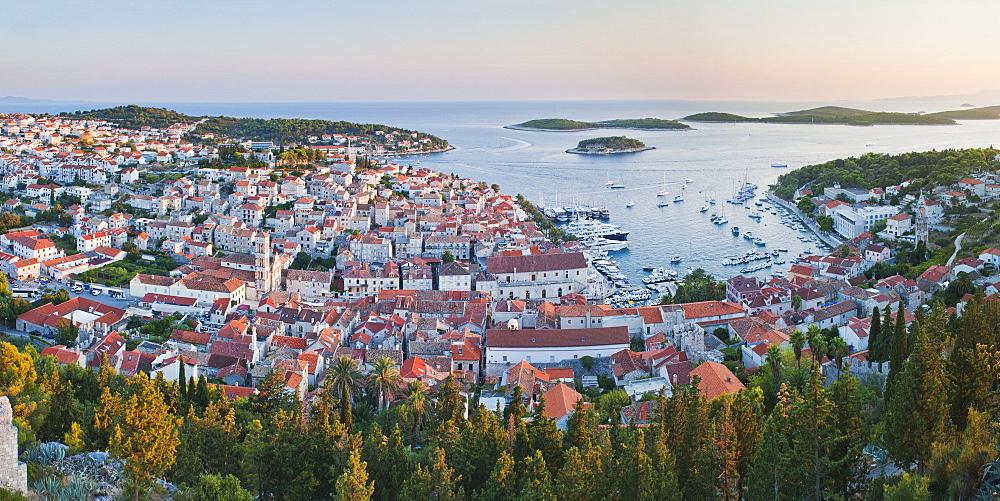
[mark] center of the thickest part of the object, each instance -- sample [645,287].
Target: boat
[675,260]
[663,189]
[605,244]
[679,198]
[735,230]
[704,208]
[583,229]
[778,165]
[759,242]
[663,204]
[648,268]
[630,204]
[689,181]
[617,186]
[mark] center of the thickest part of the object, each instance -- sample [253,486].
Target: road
[827,237]
[958,247]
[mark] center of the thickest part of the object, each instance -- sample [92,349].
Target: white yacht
[584,229]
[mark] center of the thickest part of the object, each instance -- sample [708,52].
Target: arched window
[543,293]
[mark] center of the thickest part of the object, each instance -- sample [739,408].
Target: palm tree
[773,359]
[838,348]
[796,302]
[383,379]
[344,380]
[798,341]
[416,400]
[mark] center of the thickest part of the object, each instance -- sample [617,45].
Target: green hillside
[829,115]
[986,113]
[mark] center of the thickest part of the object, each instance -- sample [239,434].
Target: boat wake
[520,145]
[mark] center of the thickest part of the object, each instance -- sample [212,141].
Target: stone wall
[13,474]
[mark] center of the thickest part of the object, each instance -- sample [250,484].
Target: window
[528,358]
[552,358]
[505,358]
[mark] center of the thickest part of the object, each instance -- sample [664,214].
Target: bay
[717,157]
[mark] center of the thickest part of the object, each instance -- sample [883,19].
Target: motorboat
[630,204]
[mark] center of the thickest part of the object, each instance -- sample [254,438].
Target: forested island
[609,146]
[834,115]
[562,124]
[277,130]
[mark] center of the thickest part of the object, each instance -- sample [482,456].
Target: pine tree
[917,411]
[546,437]
[535,481]
[353,484]
[848,473]
[579,476]
[443,479]
[898,353]
[775,473]
[969,365]
[501,483]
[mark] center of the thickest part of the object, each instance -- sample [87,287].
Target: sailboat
[663,192]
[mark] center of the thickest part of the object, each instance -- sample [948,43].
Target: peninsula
[609,146]
[562,124]
[376,138]
[833,115]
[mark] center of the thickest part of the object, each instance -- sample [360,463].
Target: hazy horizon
[446,50]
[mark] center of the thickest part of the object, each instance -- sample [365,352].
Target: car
[96,292]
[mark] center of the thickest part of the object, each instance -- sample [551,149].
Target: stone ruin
[13,473]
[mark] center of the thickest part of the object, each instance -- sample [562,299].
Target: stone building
[13,474]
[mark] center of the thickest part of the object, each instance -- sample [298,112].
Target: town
[148,252]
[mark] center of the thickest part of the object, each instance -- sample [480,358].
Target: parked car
[96,292]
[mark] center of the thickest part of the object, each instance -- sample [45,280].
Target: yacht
[584,229]
[675,260]
[704,208]
[605,244]
[735,230]
[630,204]
[663,204]
[679,198]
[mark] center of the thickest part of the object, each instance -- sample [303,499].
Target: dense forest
[792,434]
[133,116]
[876,170]
[830,115]
[284,130]
[278,130]
[623,123]
[612,143]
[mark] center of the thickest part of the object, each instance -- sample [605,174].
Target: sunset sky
[332,50]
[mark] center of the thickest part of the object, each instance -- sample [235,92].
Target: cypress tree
[182,380]
[875,337]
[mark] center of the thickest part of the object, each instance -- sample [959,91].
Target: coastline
[609,152]
[412,153]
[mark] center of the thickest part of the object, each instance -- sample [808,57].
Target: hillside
[277,130]
[829,115]
[985,113]
[133,117]
[621,123]
[875,170]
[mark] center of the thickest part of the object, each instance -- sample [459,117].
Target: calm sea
[715,156]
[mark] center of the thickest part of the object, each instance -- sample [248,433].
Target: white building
[553,345]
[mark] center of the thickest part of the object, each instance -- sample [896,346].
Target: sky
[473,50]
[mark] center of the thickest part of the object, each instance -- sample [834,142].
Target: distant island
[609,146]
[985,113]
[838,115]
[279,131]
[563,124]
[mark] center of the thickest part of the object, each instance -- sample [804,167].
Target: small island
[563,124]
[609,146]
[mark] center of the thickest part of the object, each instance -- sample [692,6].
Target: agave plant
[46,453]
[989,489]
[71,488]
